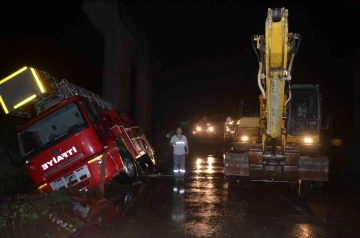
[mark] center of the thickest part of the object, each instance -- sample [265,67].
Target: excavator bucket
[294,168]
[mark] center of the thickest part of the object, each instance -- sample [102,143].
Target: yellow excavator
[290,115]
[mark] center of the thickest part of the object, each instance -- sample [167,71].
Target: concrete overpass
[125,46]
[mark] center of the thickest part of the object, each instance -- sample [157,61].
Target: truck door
[94,113]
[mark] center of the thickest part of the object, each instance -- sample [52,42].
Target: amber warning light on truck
[20,88]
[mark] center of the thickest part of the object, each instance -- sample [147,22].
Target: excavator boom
[276,55]
[276,61]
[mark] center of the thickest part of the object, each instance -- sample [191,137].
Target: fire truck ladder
[62,90]
[69,90]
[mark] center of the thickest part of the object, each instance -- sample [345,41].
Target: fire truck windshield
[51,130]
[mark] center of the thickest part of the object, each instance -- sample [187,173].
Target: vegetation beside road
[22,208]
[20,202]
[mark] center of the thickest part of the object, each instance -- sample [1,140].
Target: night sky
[208,64]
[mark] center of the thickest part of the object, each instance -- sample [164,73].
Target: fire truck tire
[131,172]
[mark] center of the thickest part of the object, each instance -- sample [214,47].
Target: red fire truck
[73,137]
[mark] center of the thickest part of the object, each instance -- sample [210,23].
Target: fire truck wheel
[131,173]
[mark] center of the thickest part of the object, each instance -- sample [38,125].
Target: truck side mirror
[328,123]
[12,150]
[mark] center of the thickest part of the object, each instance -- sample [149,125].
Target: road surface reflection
[203,198]
[84,217]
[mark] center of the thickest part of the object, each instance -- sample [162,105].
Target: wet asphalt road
[206,205]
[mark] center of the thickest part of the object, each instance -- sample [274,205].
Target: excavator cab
[304,118]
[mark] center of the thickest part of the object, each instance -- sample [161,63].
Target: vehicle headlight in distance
[244,138]
[198,128]
[211,128]
[308,140]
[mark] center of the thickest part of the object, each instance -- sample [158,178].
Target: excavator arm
[275,53]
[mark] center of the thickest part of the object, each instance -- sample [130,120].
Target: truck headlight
[308,140]
[211,128]
[198,128]
[244,138]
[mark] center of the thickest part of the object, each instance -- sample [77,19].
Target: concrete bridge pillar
[124,45]
[144,73]
[117,50]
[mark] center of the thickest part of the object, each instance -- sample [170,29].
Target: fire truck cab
[73,138]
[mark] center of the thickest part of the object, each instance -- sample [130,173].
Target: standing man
[181,148]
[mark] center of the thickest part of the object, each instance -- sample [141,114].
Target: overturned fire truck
[73,137]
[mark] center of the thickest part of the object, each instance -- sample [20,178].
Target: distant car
[204,129]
